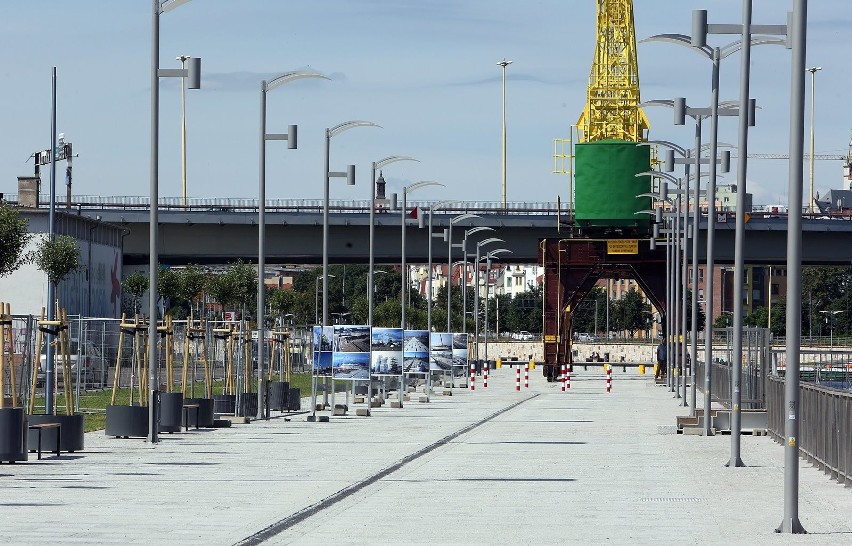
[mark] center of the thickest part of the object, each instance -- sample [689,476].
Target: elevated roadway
[223,230]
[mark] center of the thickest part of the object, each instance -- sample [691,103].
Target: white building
[93,290]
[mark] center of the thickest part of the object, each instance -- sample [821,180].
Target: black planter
[294,399]
[224,404]
[248,404]
[278,395]
[171,411]
[13,434]
[127,421]
[205,412]
[71,432]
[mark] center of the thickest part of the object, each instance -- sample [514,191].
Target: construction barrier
[562,372]
[526,377]
[472,375]
[609,379]
[567,377]
[485,374]
[517,379]
[641,369]
[498,364]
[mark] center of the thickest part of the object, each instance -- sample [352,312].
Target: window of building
[775,289]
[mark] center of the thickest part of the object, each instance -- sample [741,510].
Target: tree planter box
[294,399]
[224,404]
[13,434]
[127,421]
[205,412]
[278,395]
[248,404]
[171,411]
[71,432]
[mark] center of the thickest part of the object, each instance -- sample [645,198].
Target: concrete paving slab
[493,466]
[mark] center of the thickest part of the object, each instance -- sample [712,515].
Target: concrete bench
[40,427]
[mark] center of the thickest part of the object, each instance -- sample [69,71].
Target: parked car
[92,371]
[586,337]
[523,335]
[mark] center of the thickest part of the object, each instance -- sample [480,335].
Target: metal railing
[825,425]
[236,204]
[754,360]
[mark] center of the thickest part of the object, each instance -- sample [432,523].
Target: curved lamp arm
[169,5]
[288,77]
[392,159]
[346,125]
[465,216]
[422,184]
[489,241]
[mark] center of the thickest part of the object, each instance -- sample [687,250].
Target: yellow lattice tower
[612,104]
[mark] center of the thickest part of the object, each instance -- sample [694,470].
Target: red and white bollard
[472,375]
[527,376]
[562,377]
[485,374]
[518,378]
[608,378]
[568,376]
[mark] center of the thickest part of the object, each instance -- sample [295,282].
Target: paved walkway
[486,467]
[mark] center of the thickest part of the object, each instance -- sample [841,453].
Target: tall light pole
[316,294]
[488,257]
[813,70]
[193,73]
[405,191]
[504,63]
[463,277]
[349,175]
[455,219]
[432,235]
[699,39]
[479,245]
[377,165]
[183,59]
[798,37]
[291,138]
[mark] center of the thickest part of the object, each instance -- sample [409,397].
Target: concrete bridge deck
[492,466]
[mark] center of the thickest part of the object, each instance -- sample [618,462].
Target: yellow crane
[612,104]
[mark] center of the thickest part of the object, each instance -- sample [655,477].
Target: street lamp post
[714,54]
[405,191]
[316,292]
[813,70]
[488,257]
[376,165]
[193,74]
[699,39]
[463,276]
[829,318]
[459,218]
[479,245]
[504,63]
[432,235]
[183,59]
[349,174]
[291,138]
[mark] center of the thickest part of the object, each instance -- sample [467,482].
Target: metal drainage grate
[671,499]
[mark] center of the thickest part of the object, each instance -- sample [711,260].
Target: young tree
[190,283]
[58,257]
[135,285]
[14,236]
[168,286]
[632,313]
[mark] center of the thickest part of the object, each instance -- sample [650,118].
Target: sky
[424,70]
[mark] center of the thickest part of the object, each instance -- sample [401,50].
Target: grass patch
[93,403]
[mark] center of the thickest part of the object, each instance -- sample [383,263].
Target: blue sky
[424,70]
